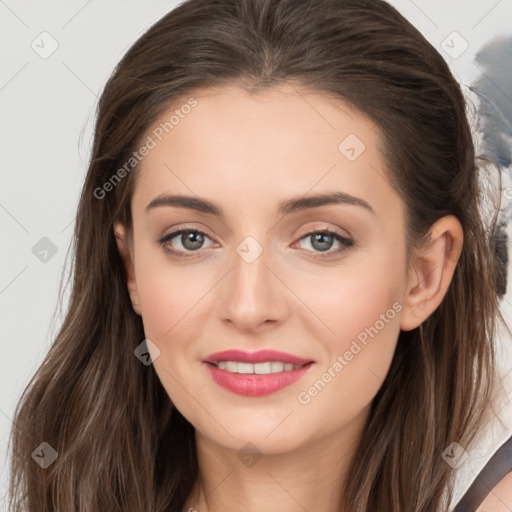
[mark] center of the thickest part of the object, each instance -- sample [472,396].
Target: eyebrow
[290,206]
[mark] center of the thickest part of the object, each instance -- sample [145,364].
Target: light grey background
[47,113]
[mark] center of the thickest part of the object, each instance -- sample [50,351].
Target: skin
[500,498]
[260,150]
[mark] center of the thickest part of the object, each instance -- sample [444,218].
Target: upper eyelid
[337,231]
[180,230]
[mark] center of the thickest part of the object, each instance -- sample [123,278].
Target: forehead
[262,147]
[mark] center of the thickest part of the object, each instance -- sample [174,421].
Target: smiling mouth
[256,379]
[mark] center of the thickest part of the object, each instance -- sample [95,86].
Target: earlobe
[432,272]
[126,252]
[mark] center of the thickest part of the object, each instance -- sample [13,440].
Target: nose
[253,296]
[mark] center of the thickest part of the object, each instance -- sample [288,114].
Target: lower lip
[250,384]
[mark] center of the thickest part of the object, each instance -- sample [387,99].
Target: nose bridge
[252,295]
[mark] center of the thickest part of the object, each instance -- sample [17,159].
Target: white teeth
[276,367]
[263,368]
[231,366]
[258,368]
[245,368]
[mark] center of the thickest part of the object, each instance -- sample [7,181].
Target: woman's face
[253,274]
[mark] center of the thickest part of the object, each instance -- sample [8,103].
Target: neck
[312,477]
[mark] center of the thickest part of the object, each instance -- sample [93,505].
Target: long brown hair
[121,444]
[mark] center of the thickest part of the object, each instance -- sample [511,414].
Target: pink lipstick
[255,373]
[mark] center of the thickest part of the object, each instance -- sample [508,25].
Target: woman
[283,293]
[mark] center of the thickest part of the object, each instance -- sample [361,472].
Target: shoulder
[499,498]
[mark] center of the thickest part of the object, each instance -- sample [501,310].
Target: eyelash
[343,240]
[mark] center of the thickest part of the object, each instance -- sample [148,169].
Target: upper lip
[260,356]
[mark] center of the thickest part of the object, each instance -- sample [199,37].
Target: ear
[432,272]
[125,247]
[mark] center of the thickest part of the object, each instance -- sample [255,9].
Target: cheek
[160,306]
[347,300]
[365,310]
[363,320]
[169,293]
[362,307]
[171,300]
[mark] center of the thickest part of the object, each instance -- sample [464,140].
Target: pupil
[192,240]
[323,246]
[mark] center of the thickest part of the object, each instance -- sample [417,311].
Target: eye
[190,239]
[321,240]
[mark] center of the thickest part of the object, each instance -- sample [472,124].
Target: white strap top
[492,439]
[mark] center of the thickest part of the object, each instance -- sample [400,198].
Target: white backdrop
[56,57]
